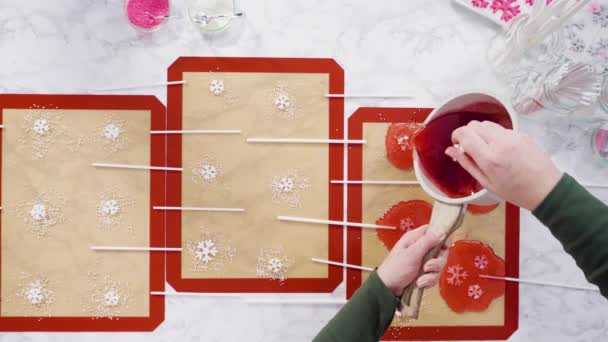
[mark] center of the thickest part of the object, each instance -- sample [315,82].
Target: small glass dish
[147,15]
[200,10]
[599,141]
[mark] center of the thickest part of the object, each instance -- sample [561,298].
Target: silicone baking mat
[498,229]
[251,251]
[56,205]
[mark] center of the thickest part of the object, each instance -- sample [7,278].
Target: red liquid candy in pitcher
[435,137]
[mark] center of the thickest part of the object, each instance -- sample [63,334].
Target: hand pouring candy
[444,179]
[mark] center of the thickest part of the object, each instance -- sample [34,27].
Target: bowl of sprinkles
[147,15]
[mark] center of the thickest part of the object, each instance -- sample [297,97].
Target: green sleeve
[365,317]
[580,222]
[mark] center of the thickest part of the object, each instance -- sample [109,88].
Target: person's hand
[403,264]
[509,164]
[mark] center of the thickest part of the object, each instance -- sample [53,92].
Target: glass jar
[147,15]
[599,141]
[212,16]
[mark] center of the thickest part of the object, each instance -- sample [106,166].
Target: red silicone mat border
[354,245]
[157,230]
[336,168]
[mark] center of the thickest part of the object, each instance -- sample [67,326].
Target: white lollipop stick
[369,96]
[193,294]
[199,209]
[304,141]
[541,283]
[356,267]
[137,86]
[137,167]
[200,131]
[135,249]
[341,223]
[375,182]
[295,301]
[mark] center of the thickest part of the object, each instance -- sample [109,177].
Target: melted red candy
[459,283]
[432,141]
[481,209]
[405,216]
[398,144]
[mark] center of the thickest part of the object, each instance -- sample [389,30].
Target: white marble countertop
[427,48]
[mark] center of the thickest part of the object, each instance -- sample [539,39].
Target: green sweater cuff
[385,298]
[580,222]
[365,317]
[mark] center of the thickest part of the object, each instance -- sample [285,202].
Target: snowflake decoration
[481,3]
[41,126]
[457,275]
[111,135]
[481,262]
[406,223]
[403,142]
[41,213]
[211,252]
[216,87]
[273,263]
[107,297]
[474,291]
[38,212]
[111,206]
[111,298]
[111,132]
[282,102]
[207,172]
[600,16]
[508,9]
[284,184]
[275,266]
[35,293]
[205,251]
[287,188]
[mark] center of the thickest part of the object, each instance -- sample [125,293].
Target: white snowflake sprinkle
[208,171]
[275,265]
[110,207]
[41,126]
[403,142]
[282,102]
[111,298]
[216,87]
[111,132]
[205,251]
[210,252]
[475,291]
[457,275]
[481,262]
[284,184]
[288,187]
[38,212]
[36,293]
[406,223]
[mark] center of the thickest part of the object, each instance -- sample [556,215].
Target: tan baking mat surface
[252,176]
[56,205]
